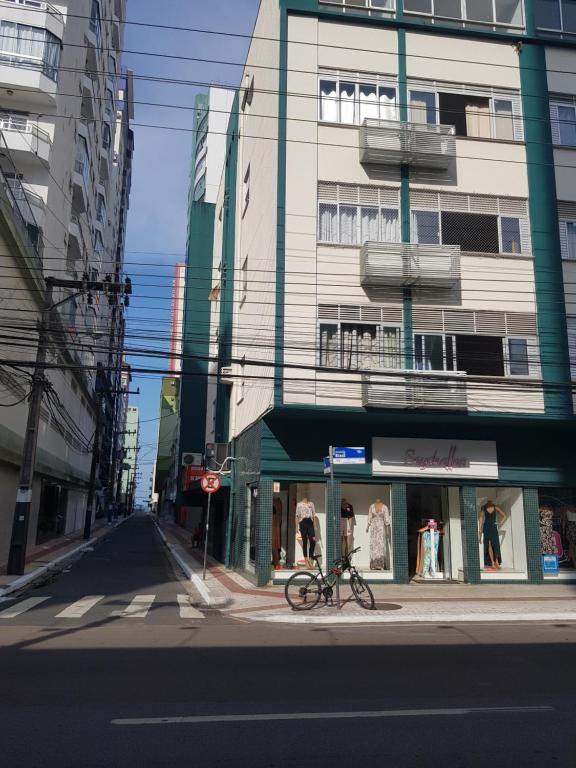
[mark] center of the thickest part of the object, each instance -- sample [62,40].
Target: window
[563,123]
[471,231]
[426,227]
[434,352]
[484,12]
[106,137]
[359,346]
[98,249]
[556,15]
[109,104]
[371,7]
[568,239]
[22,45]
[101,214]
[244,278]
[477,116]
[96,22]
[518,359]
[82,164]
[246,190]
[480,355]
[475,355]
[351,102]
[344,222]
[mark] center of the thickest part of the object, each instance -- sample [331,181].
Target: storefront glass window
[366,522]
[557,513]
[434,533]
[298,524]
[501,533]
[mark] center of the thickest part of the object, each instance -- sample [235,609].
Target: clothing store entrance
[434,532]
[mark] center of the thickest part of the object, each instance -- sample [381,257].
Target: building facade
[65,107]
[128,480]
[395,225]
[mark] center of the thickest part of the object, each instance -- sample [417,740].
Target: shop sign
[550,565]
[413,457]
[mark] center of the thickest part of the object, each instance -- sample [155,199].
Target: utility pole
[17,556]
[19,540]
[93,470]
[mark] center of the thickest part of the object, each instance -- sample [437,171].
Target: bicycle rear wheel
[362,592]
[303,591]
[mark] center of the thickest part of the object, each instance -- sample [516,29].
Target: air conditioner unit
[227,375]
[192,460]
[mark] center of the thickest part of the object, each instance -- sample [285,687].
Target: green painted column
[543,209]
[470,545]
[333,542]
[264,504]
[400,533]
[405,191]
[533,541]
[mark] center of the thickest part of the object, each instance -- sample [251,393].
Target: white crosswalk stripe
[22,607]
[81,607]
[138,608]
[187,610]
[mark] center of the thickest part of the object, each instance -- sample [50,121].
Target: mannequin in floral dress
[379,526]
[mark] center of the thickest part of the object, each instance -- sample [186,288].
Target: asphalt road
[160,686]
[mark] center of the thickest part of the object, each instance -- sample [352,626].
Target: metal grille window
[353,215]
[346,99]
[474,112]
[563,122]
[492,13]
[477,224]
[359,346]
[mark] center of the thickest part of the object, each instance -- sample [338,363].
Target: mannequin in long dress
[379,527]
[276,532]
[428,565]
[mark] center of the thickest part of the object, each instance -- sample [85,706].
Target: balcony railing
[409,264]
[425,390]
[421,145]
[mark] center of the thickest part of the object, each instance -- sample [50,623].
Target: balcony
[76,244]
[89,108]
[104,166]
[391,142]
[27,143]
[417,390]
[80,183]
[45,14]
[409,264]
[116,33]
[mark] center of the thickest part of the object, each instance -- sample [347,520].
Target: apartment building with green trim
[393,258]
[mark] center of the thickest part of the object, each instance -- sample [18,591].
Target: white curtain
[388,104]
[348,225]
[328,223]
[329,346]
[328,101]
[391,348]
[9,37]
[369,221]
[31,41]
[360,347]
[347,102]
[368,103]
[390,232]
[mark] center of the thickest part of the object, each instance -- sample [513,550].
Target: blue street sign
[550,565]
[326,461]
[349,455]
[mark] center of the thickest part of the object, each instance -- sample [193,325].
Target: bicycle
[304,590]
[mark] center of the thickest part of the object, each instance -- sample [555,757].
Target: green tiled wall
[470,549]
[333,548]
[400,533]
[533,543]
[264,531]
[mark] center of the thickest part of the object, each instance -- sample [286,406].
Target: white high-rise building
[65,171]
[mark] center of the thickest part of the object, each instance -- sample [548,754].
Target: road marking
[199,720]
[187,611]
[80,607]
[22,607]
[138,608]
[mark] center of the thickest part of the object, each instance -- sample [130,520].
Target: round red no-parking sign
[210,483]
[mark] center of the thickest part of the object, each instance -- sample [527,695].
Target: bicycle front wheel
[303,591]
[362,592]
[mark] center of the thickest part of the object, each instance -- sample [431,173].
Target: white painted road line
[22,607]
[389,713]
[187,611]
[79,608]
[138,608]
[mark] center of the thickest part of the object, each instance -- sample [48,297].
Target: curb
[430,619]
[186,569]
[38,573]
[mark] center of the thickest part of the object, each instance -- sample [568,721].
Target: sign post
[209,484]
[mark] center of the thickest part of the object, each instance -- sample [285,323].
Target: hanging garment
[491,539]
[547,537]
[430,543]
[379,527]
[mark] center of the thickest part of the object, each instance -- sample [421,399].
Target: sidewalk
[50,556]
[237,597]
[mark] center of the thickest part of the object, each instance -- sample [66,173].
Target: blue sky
[156,237]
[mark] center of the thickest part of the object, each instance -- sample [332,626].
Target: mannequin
[305,516]
[570,515]
[276,533]
[547,538]
[379,527]
[347,520]
[490,520]
[428,552]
